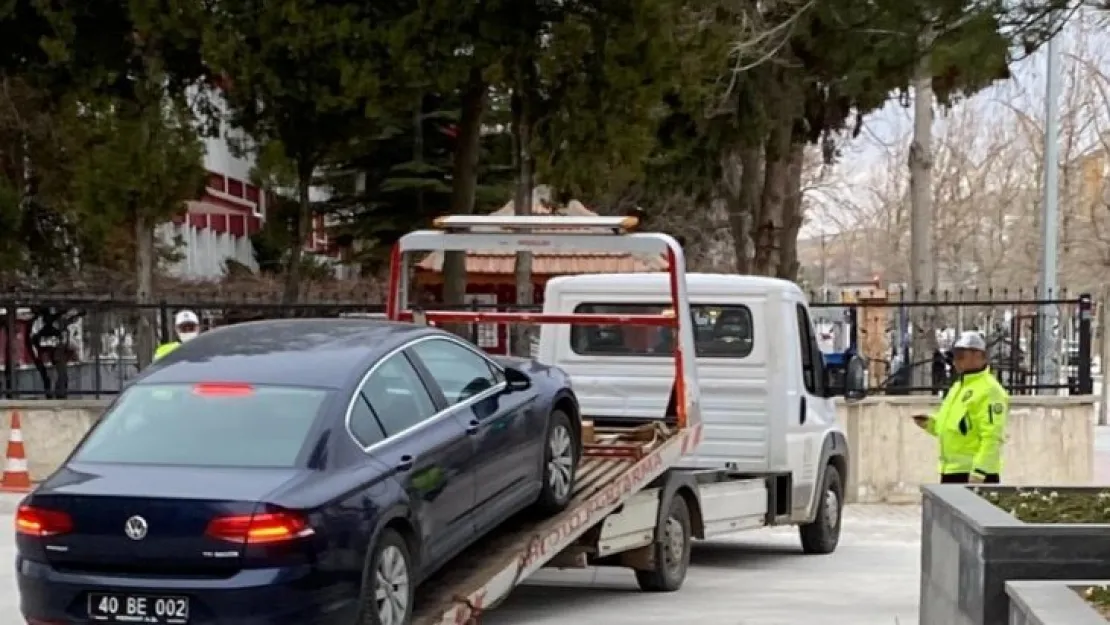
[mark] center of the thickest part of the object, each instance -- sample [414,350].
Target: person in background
[186,326]
[970,425]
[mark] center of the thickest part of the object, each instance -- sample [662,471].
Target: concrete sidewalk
[757,578]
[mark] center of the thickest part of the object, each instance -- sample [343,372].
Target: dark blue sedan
[293,472]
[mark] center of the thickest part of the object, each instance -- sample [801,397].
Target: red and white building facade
[218,225]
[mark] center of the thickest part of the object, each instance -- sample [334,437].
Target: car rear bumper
[279,596]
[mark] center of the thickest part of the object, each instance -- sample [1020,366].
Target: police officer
[186,326]
[970,425]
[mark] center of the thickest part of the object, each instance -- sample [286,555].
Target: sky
[1084,44]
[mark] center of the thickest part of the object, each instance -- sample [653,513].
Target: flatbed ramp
[616,464]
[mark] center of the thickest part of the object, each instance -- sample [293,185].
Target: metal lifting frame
[539,234]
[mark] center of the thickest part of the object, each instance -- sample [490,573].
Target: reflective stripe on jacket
[970,425]
[166,348]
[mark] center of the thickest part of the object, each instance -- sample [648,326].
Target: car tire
[672,551]
[389,562]
[560,465]
[823,534]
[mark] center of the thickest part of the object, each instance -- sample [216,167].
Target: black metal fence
[881,328]
[83,347]
[58,347]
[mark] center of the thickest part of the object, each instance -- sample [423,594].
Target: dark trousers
[965,478]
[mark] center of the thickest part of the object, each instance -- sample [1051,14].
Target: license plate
[111,608]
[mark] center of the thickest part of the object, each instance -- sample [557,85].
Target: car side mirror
[517,379]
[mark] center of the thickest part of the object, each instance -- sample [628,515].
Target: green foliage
[604,70]
[299,72]
[405,173]
[138,162]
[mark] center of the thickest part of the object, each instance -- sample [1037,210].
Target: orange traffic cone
[16,479]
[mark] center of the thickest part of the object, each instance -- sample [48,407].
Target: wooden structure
[491,279]
[873,316]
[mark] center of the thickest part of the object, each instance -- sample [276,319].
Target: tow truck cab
[766,391]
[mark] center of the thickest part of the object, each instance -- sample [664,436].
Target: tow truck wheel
[672,551]
[822,536]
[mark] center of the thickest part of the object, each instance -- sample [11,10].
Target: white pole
[1047,371]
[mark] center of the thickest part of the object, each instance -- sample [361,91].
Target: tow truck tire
[672,551]
[389,561]
[823,535]
[560,455]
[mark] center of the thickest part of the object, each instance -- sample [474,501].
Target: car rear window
[719,332]
[211,425]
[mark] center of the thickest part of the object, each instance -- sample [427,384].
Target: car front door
[497,418]
[396,420]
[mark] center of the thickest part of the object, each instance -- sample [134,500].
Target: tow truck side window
[723,331]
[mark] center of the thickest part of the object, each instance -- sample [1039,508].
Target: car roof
[695,283]
[302,352]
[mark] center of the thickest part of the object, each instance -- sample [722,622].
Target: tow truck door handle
[802,417]
[405,463]
[472,427]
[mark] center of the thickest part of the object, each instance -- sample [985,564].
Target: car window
[205,425]
[719,332]
[364,423]
[397,396]
[460,372]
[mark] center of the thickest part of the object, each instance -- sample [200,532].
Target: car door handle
[802,418]
[405,463]
[472,427]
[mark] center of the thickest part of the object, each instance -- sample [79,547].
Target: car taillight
[259,529]
[32,521]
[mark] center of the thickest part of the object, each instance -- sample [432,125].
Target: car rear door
[506,446]
[396,420]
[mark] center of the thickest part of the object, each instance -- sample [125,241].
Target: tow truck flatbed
[616,466]
[618,462]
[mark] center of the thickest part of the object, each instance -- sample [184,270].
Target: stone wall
[1050,440]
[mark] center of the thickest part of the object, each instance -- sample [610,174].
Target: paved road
[760,578]
[757,578]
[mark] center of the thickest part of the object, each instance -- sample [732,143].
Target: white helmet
[187,325]
[970,340]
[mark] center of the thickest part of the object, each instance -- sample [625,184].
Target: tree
[300,74]
[988,180]
[124,69]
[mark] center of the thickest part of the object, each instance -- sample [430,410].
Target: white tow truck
[688,431]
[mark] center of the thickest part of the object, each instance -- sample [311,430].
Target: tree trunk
[464,178]
[923,277]
[144,287]
[793,215]
[742,204]
[293,272]
[776,180]
[522,107]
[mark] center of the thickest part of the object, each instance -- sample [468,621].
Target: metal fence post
[474,326]
[1103,329]
[164,335]
[1086,384]
[10,349]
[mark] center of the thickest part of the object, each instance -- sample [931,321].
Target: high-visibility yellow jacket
[165,348]
[970,425]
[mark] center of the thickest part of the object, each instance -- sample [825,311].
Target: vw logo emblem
[136,528]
